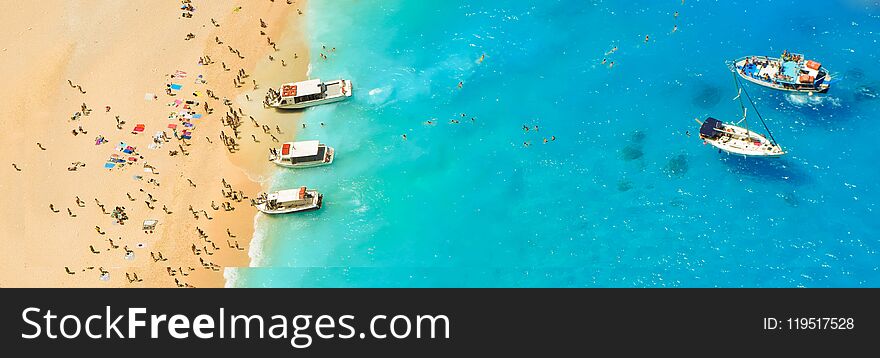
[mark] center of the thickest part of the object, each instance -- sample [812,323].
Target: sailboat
[734,139]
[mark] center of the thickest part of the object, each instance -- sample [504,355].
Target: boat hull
[745,153]
[281,163]
[314,206]
[345,93]
[310,104]
[740,141]
[798,88]
[302,166]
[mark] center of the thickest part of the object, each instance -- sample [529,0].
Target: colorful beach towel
[176,87]
[109,165]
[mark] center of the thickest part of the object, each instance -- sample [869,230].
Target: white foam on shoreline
[255,251]
[231,275]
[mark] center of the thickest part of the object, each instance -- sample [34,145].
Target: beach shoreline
[122,56]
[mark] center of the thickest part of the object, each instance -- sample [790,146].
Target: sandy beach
[75,72]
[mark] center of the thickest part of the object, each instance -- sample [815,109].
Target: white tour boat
[305,154]
[308,93]
[289,201]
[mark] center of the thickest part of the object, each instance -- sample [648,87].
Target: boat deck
[789,71]
[334,89]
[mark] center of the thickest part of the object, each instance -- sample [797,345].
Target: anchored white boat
[791,72]
[305,154]
[289,201]
[308,93]
[738,140]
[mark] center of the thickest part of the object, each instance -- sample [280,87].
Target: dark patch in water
[766,169]
[708,97]
[677,202]
[791,199]
[677,165]
[624,185]
[638,137]
[632,152]
[855,74]
[805,25]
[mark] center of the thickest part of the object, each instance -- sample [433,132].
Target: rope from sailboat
[743,89]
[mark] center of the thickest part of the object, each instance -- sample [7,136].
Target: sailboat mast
[742,105]
[743,89]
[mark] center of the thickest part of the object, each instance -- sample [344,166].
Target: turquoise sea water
[622,197]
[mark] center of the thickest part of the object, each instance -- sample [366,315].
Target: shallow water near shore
[622,197]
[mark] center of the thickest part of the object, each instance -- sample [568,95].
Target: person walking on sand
[41,146]
[16,167]
[52,207]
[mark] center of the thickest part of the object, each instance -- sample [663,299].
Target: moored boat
[308,93]
[289,201]
[304,154]
[790,72]
[738,140]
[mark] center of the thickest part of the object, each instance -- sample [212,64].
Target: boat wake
[379,96]
[814,101]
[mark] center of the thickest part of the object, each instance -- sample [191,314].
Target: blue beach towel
[109,165]
[176,87]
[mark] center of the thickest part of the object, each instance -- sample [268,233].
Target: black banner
[401,322]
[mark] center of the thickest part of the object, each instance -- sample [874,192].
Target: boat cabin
[711,128]
[303,152]
[288,198]
[305,91]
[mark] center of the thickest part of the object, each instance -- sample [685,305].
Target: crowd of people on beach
[126,156]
